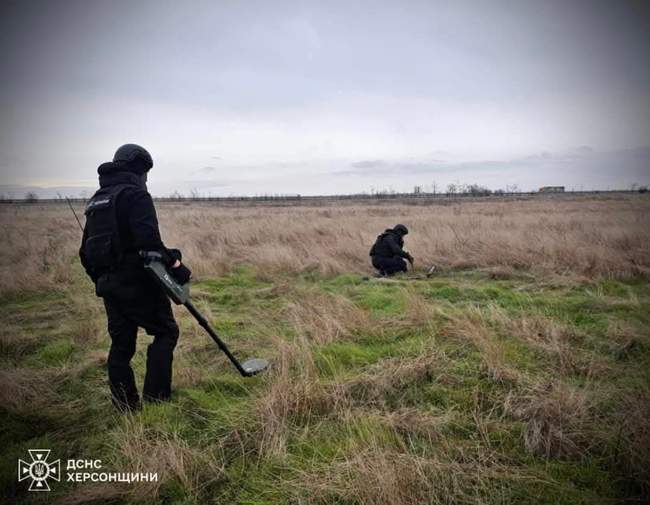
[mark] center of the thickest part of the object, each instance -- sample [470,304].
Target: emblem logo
[39,470]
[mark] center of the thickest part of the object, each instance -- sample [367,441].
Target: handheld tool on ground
[180,295]
[432,271]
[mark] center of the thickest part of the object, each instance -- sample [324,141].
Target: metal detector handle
[206,326]
[153,263]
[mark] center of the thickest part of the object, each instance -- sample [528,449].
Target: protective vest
[103,246]
[381,248]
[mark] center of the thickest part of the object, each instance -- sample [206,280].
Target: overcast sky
[239,97]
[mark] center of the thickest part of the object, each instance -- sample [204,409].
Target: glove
[182,274]
[173,255]
[410,258]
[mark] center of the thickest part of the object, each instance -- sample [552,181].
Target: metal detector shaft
[180,295]
[206,326]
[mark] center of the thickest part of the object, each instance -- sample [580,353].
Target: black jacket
[389,245]
[137,225]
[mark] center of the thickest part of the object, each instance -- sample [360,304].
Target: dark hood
[111,174]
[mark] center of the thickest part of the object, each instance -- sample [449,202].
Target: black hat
[401,229]
[133,158]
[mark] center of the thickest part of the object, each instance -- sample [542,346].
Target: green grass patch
[447,408]
[52,353]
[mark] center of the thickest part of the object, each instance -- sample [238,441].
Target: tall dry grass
[587,237]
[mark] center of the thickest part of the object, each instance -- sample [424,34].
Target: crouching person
[120,221]
[388,252]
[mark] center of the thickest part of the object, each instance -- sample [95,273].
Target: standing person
[388,252]
[121,221]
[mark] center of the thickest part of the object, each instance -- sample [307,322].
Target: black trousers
[389,266]
[151,311]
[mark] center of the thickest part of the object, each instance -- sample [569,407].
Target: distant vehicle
[551,189]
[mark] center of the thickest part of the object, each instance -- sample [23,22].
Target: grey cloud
[19,191]
[540,156]
[386,167]
[205,170]
[372,85]
[632,162]
[368,164]
[211,183]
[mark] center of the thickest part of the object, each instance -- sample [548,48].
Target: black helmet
[135,158]
[401,229]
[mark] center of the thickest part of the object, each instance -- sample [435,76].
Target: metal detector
[180,295]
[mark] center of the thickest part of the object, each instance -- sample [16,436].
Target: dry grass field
[584,238]
[518,373]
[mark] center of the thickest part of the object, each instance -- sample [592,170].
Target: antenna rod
[75,214]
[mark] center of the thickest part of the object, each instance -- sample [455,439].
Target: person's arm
[143,223]
[395,248]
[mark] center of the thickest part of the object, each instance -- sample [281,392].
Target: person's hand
[174,258]
[410,259]
[181,273]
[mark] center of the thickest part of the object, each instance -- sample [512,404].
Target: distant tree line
[452,190]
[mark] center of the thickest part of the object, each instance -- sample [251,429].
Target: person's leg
[377,263]
[396,265]
[390,266]
[160,323]
[123,333]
